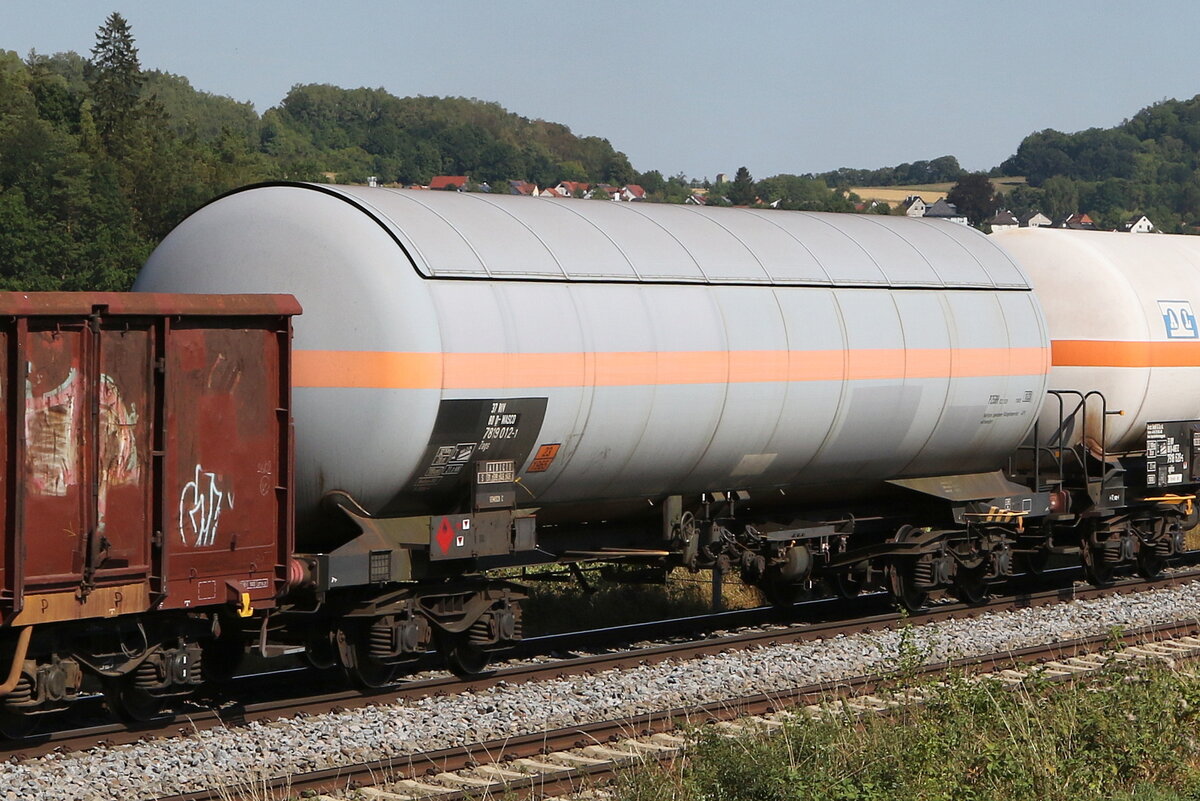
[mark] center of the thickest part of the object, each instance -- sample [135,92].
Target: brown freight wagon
[146,446]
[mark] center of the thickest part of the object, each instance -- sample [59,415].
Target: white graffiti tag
[200,506]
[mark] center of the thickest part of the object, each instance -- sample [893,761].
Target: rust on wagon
[31,304]
[145,453]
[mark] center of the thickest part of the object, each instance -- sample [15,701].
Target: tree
[799,192]
[115,77]
[617,170]
[741,191]
[653,182]
[974,197]
[1061,196]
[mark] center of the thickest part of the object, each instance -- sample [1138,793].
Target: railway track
[566,760]
[563,760]
[689,637]
[242,713]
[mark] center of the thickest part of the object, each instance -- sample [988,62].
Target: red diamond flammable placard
[445,535]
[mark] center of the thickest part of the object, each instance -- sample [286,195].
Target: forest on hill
[100,158]
[1149,164]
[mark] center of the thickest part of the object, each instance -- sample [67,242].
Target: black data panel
[1171,449]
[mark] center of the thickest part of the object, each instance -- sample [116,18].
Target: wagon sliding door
[227,428]
[53,490]
[124,414]
[82,493]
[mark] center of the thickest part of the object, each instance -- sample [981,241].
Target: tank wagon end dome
[1121,312]
[360,296]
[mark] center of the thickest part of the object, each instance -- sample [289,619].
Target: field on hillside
[895,195]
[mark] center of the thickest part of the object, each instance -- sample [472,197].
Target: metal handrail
[1055,448]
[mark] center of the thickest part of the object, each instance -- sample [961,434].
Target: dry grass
[558,606]
[1192,538]
[897,194]
[930,193]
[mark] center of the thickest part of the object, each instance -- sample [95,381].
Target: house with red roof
[572,188]
[1077,221]
[523,188]
[632,192]
[458,183]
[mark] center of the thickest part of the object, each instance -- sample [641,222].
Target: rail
[596,750]
[240,713]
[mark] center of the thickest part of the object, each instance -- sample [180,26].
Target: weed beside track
[1129,733]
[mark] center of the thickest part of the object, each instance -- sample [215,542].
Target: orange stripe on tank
[377,370]
[366,369]
[1105,353]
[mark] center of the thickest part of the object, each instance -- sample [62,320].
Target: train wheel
[971,587]
[321,650]
[130,703]
[904,587]
[463,658]
[848,582]
[902,579]
[1149,564]
[369,675]
[1097,571]
[16,725]
[363,670]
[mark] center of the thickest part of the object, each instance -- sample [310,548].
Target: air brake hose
[14,672]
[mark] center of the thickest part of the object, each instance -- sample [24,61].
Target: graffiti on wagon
[200,505]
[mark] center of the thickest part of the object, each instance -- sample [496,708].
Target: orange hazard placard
[542,459]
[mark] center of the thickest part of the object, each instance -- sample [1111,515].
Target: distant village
[913,205]
[1004,220]
[577,189]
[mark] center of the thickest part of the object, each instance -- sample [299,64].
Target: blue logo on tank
[1178,319]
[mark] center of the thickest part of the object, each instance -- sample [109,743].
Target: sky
[690,87]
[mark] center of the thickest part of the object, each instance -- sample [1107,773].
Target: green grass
[1123,735]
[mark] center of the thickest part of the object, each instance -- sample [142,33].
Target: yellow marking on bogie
[1186,500]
